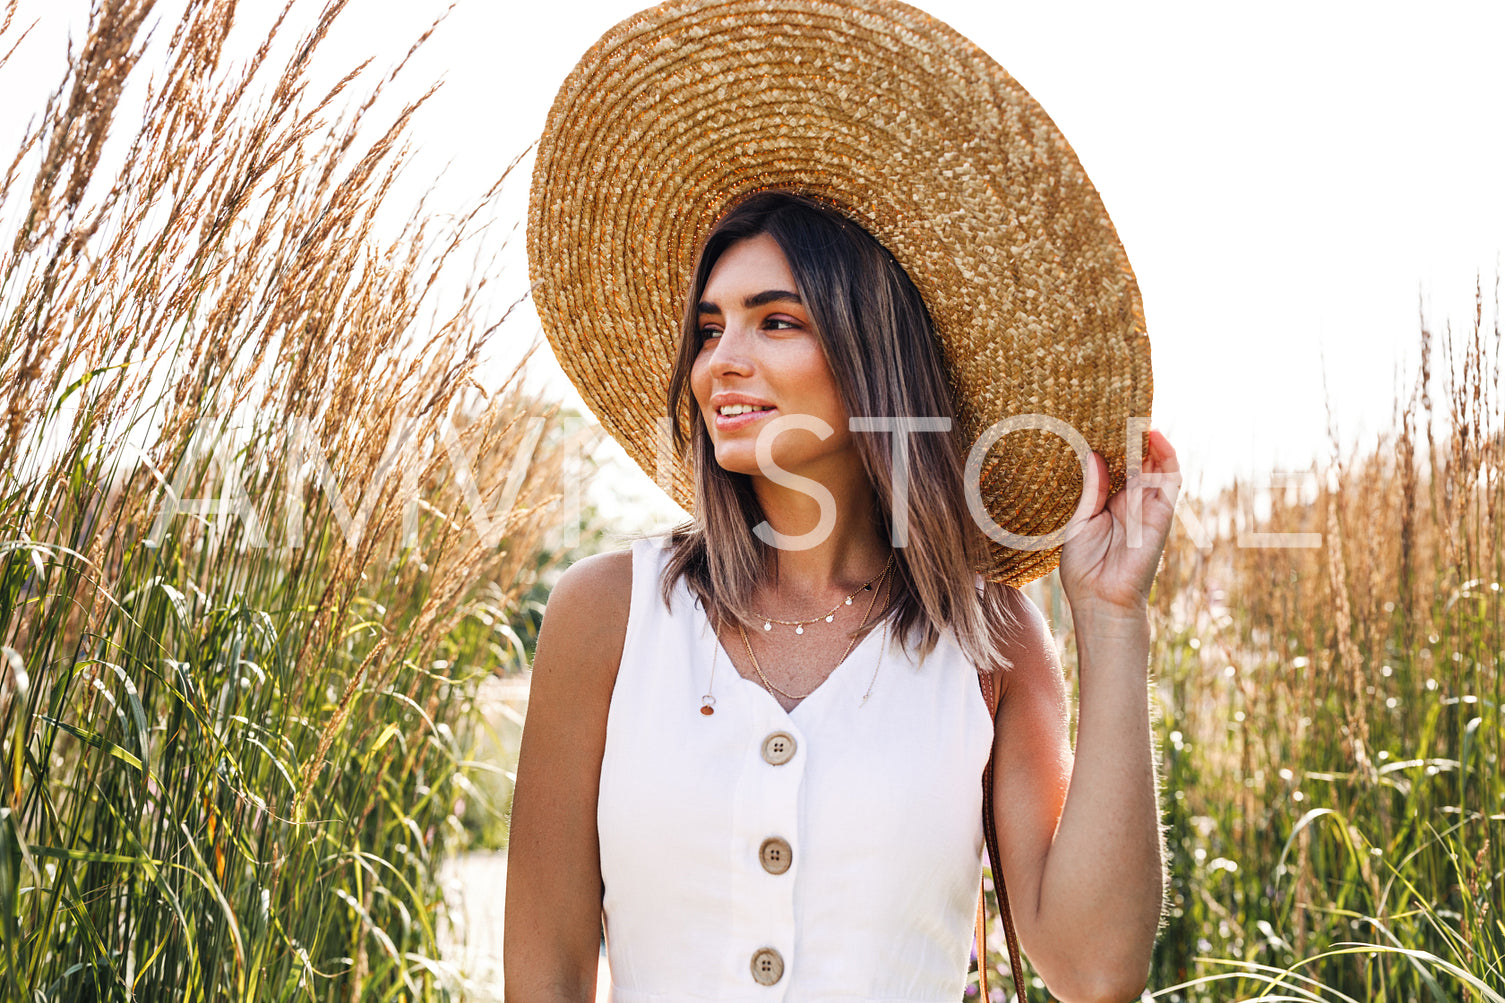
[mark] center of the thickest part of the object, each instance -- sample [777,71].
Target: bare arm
[552,930]
[1080,833]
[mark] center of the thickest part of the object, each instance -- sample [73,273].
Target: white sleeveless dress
[828,853]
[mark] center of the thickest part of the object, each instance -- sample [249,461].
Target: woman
[756,747]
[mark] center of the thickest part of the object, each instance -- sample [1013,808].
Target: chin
[737,461]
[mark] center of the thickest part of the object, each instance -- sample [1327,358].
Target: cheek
[823,382]
[699,382]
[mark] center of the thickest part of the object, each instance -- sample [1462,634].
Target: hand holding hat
[1109,560]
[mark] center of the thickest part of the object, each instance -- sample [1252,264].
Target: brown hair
[880,344]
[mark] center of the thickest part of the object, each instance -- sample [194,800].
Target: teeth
[732,409]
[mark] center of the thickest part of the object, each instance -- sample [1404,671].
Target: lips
[746,410]
[732,422]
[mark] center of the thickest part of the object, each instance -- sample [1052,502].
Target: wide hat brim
[910,130]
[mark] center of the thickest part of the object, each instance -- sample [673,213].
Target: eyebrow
[756,300]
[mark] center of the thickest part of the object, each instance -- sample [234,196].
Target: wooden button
[778,748]
[776,855]
[767,966]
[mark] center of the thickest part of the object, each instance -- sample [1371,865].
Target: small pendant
[799,630]
[831,617]
[768,626]
[705,705]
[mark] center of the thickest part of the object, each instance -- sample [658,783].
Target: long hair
[881,347]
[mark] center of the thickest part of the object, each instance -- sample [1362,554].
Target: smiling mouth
[732,410]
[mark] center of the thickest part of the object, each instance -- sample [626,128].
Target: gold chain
[800,625]
[768,684]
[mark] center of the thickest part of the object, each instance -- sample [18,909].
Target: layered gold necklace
[882,581]
[830,615]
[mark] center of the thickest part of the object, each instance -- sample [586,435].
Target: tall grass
[1328,713]
[1331,730]
[233,743]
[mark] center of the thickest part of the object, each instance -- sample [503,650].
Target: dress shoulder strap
[990,833]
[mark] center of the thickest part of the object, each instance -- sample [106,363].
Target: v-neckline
[825,684]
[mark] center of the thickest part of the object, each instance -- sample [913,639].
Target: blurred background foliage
[1326,672]
[263,534]
[1331,730]
[1326,676]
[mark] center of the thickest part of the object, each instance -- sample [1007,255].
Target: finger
[1162,454]
[1163,462]
[1094,495]
[1095,486]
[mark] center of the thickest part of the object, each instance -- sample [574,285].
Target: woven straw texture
[907,128]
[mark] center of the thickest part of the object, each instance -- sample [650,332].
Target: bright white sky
[1288,178]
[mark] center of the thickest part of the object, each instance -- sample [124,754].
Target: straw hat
[905,127]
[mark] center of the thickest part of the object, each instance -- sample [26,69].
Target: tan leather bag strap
[990,834]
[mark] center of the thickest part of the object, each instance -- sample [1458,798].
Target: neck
[850,554]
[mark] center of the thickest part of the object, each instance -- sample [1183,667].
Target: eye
[707,333]
[781,324]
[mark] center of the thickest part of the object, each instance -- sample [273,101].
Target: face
[760,359]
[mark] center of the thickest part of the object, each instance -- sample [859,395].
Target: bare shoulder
[604,580]
[585,620]
[1029,647]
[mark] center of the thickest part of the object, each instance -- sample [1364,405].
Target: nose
[729,354]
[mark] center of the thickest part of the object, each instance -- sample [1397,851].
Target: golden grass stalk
[1331,723]
[233,741]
